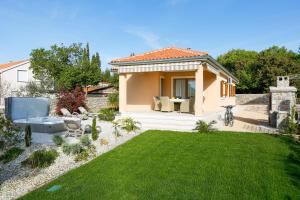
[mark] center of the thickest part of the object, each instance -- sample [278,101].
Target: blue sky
[116,28]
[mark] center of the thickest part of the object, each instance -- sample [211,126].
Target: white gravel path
[15,181]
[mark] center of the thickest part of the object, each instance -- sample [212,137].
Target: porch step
[169,121]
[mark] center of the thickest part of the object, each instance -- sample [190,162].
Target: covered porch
[198,81]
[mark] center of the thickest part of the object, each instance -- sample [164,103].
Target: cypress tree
[94,130]
[28,136]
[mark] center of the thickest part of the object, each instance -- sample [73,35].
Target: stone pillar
[199,91]
[122,92]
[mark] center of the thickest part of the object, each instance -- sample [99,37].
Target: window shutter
[222,88]
[226,89]
[234,90]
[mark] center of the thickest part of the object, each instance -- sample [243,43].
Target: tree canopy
[67,66]
[257,71]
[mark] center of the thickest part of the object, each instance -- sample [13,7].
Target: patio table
[177,101]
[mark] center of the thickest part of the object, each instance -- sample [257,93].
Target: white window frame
[18,78]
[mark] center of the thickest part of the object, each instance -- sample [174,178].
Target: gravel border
[16,181]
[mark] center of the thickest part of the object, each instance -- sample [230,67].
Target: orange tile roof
[160,54]
[7,65]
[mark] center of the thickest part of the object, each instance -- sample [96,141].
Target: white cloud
[150,38]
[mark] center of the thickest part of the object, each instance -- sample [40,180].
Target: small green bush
[113,99]
[84,155]
[11,154]
[66,148]
[76,149]
[85,140]
[28,134]
[10,134]
[58,140]
[291,126]
[107,114]
[94,130]
[72,148]
[203,127]
[41,158]
[129,125]
[92,150]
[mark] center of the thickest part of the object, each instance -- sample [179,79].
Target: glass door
[184,88]
[191,87]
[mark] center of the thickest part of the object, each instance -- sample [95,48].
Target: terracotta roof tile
[7,65]
[160,54]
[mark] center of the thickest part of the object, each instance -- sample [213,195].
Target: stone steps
[170,121]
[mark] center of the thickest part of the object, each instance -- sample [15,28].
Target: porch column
[122,92]
[199,91]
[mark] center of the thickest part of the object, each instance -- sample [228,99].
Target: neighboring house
[103,89]
[174,72]
[13,76]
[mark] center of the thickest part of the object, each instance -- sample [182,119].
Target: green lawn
[172,165]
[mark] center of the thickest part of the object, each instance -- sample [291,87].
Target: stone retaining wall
[94,104]
[243,99]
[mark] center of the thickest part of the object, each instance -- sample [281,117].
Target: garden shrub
[76,148]
[84,155]
[92,150]
[94,130]
[291,126]
[66,148]
[11,154]
[85,140]
[103,142]
[10,134]
[58,140]
[113,100]
[41,158]
[129,125]
[203,127]
[70,100]
[28,134]
[107,114]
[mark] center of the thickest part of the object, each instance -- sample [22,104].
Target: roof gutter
[205,58]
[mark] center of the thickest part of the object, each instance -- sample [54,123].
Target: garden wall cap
[283,89]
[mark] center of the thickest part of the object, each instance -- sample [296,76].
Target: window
[184,88]
[162,85]
[22,75]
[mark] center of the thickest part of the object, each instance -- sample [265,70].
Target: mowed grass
[173,165]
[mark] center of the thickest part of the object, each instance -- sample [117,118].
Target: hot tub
[43,124]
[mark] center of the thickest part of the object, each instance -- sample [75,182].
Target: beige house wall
[137,90]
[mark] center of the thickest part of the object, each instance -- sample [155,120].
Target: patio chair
[187,106]
[73,128]
[166,104]
[157,104]
[83,111]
